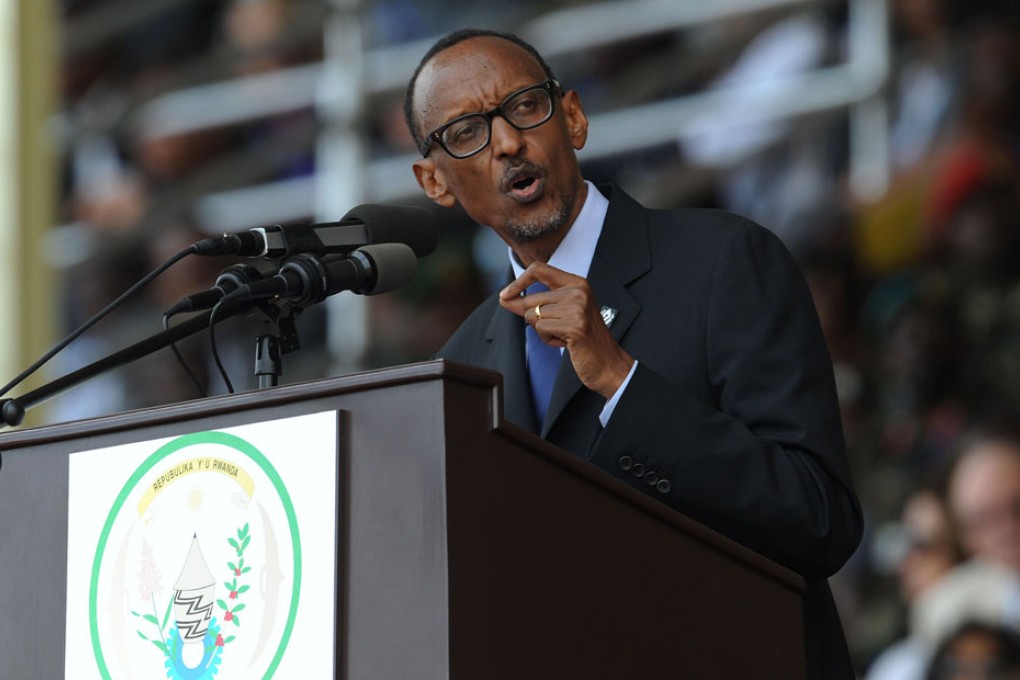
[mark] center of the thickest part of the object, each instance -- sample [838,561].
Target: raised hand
[567,315]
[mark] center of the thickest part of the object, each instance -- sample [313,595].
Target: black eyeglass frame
[436,136]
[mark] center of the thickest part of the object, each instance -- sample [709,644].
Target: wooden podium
[467,548]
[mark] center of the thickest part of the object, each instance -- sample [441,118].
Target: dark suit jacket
[731,416]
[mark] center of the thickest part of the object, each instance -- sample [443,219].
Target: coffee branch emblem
[233,586]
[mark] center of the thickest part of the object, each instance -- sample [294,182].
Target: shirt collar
[575,252]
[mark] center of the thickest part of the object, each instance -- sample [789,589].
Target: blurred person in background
[977,651]
[979,285]
[918,417]
[928,551]
[984,493]
[984,501]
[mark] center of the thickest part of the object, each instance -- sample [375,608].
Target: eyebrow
[502,99]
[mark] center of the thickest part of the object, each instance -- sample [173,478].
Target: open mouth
[524,185]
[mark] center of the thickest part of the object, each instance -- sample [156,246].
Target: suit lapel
[622,256]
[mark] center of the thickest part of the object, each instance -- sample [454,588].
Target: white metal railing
[854,85]
[388,69]
[230,102]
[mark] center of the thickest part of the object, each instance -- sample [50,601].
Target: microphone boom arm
[12,411]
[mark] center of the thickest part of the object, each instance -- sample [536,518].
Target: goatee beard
[541,226]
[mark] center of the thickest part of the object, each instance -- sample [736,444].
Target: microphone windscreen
[410,225]
[395,266]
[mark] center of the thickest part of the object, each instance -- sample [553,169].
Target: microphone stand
[12,411]
[270,348]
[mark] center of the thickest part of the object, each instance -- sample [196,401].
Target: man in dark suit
[679,350]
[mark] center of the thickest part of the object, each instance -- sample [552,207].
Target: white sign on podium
[210,555]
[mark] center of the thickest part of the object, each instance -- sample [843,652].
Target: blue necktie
[543,362]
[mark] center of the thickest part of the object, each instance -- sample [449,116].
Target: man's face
[524,184]
[985,499]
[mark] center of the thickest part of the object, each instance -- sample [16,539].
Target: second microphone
[306,279]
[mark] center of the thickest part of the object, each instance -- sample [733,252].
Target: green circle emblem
[246,449]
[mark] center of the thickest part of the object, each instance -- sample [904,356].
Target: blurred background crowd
[879,139]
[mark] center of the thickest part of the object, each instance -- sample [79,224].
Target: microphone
[362,225]
[307,279]
[229,280]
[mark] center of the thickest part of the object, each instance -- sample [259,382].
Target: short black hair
[446,42]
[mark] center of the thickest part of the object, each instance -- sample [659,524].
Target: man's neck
[542,248]
[539,250]
[574,252]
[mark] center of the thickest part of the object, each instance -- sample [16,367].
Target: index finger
[537,272]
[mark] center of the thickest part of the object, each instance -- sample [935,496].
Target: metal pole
[341,162]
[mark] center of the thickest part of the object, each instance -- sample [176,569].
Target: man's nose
[506,139]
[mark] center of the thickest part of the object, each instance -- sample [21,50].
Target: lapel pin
[608,316]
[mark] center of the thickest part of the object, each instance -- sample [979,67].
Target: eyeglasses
[467,135]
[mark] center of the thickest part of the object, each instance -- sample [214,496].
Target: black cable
[184,364]
[215,351]
[96,317]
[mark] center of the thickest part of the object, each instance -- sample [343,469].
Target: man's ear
[577,121]
[430,179]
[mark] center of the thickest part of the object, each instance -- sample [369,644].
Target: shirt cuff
[607,410]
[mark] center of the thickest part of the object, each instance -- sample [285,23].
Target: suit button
[625,463]
[638,469]
[664,486]
[651,478]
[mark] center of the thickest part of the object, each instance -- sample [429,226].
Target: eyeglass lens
[524,110]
